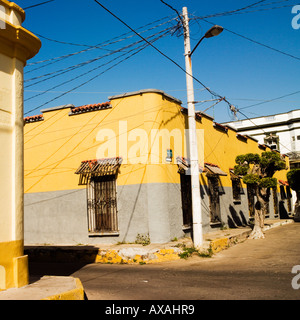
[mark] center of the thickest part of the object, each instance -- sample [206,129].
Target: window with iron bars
[102,205]
[237,189]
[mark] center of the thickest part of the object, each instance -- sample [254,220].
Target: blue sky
[244,72]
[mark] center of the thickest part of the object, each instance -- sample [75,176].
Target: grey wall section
[56,217]
[60,217]
[234,214]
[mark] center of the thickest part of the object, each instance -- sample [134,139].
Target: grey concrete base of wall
[150,210]
[60,217]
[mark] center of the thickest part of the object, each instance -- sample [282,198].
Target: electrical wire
[149,110]
[241,10]
[259,10]
[179,16]
[254,41]
[37,5]
[91,79]
[105,43]
[271,100]
[232,11]
[163,54]
[261,129]
[96,59]
[256,4]
[82,64]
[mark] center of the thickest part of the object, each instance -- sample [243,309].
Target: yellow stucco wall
[17,45]
[55,147]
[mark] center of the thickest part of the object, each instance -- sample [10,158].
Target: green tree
[293,178]
[257,171]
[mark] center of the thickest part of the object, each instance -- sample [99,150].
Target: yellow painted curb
[75,294]
[112,256]
[165,255]
[219,244]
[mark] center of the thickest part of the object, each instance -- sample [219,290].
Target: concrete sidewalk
[47,288]
[69,288]
[141,254]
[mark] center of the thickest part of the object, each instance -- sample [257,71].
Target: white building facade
[280,131]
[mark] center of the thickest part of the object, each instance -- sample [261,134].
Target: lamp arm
[196,45]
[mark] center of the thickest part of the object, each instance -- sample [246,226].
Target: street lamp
[193,148]
[212,32]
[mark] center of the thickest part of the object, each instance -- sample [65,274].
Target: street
[252,270]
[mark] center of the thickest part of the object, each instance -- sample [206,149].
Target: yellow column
[17,45]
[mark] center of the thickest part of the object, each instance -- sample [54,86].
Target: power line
[68,43]
[262,129]
[82,64]
[140,48]
[179,16]
[241,10]
[271,100]
[254,41]
[35,183]
[105,43]
[96,59]
[167,57]
[39,4]
[259,10]
[232,11]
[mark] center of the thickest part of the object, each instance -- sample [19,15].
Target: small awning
[97,168]
[210,168]
[184,165]
[283,183]
[214,169]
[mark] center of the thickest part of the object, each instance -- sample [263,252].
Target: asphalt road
[252,270]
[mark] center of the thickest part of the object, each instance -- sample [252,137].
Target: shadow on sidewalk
[57,260]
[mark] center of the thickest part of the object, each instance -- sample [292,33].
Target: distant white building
[280,131]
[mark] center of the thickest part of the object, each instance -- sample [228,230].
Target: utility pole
[193,148]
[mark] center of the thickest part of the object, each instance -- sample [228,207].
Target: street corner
[48,288]
[77,293]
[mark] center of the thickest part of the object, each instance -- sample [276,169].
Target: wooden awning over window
[97,168]
[210,168]
[214,169]
[184,165]
[283,183]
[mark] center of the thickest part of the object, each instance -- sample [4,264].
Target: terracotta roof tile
[220,126]
[34,118]
[97,168]
[90,107]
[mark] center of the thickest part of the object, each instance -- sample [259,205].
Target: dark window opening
[282,193]
[214,199]
[237,189]
[186,199]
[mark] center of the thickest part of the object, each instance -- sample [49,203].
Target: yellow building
[118,171]
[17,45]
